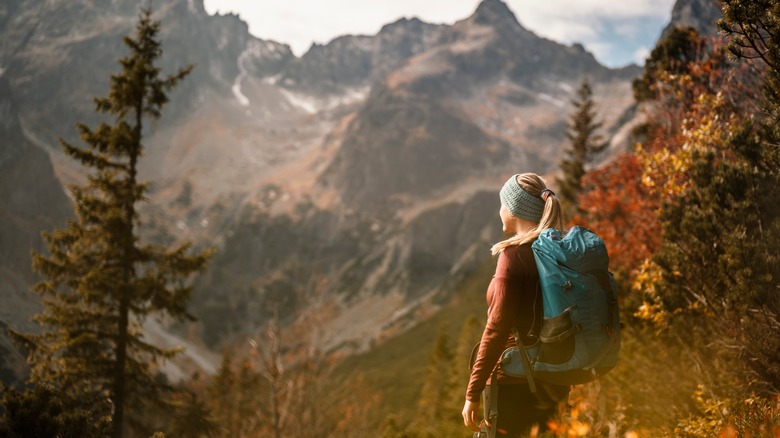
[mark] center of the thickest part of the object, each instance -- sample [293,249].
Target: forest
[690,214]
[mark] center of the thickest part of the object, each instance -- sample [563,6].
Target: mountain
[397,201]
[356,182]
[701,15]
[436,120]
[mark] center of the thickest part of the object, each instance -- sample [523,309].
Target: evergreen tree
[673,55]
[40,412]
[435,412]
[469,336]
[192,418]
[221,395]
[719,254]
[247,393]
[101,282]
[275,373]
[585,143]
[722,237]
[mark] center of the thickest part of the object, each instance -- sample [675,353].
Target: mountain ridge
[370,177]
[413,140]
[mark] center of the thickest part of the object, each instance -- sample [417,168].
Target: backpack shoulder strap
[529,369]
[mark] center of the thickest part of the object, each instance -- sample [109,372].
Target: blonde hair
[552,217]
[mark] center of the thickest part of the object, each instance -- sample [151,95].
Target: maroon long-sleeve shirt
[514,300]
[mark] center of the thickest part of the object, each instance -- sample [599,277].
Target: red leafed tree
[623,211]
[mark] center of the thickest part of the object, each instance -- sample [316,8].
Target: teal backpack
[580,335]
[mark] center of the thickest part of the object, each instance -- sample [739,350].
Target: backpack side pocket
[557,338]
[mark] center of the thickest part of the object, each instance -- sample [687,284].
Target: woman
[514,300]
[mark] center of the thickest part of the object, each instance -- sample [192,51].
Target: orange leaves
[707,127]
[571,425]
[622,210]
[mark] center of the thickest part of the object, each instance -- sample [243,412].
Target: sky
[617,32]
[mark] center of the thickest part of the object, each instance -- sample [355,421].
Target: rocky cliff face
[454,112]
[358,181]
[357,61]
[701,15]
[406,147]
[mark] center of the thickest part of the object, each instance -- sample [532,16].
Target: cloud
[568,31]
[641,54]
[301,22]
[614,31]
[563,20]
[610,9]
[602,49]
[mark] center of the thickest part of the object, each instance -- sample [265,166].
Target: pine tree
[247,395]
[192,418]
[275,373]
[433,405]
[40,412]
[716,259]
[585,143]
[722,237]
[221,394]
[673,55]
[469,336]
[101,282]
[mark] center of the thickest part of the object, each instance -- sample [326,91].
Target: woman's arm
[504,302]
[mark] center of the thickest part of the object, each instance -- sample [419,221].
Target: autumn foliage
[623,210]
[690,215]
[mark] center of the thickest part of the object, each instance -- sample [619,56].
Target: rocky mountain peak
[698,14]
[353,61]
[402,23]
[196,6]
[492,12]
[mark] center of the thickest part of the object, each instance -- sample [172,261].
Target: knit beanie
[519,202]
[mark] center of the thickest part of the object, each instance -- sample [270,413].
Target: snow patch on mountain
[242,73]
[351,95]
[312,105]
[555,101]
[566,87]
[302,102]
[192,358]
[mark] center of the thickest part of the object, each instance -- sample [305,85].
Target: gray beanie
[519,202]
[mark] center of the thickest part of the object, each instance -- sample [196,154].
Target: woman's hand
[471,415]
